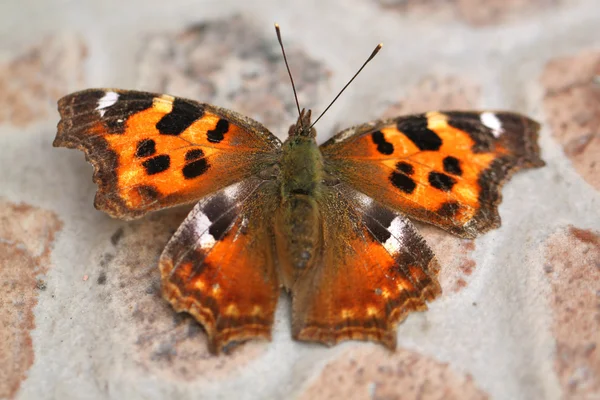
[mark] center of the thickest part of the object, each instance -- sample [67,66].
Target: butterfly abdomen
[298,222]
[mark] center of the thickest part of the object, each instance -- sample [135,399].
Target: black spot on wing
[180,118]
[157,164]
[383,146]
[405,167]
[378,221]
[452,166]
[403,182]
[379,232]
[415,129]
[194,154]
[216,206]
[145,148]
[218,134]
[196,164]
[195,168]
[441,181]
[218,228]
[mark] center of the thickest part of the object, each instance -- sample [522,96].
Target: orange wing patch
[154,151]
[442,168]
[375,270]
[219,266]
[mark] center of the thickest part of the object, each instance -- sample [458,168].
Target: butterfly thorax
[298,223]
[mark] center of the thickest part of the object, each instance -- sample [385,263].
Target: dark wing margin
[152,151]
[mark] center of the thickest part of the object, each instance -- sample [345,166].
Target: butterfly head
[303,127]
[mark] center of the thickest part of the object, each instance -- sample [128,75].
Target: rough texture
[454,254]
[27,235]
[573,270]
[437,93]
[572,103]
[519,310]
[473,12]
[32,82]
[376,374]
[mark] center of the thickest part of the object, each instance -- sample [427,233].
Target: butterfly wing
[444,168]
[152,151]
[375,268]
[219,265]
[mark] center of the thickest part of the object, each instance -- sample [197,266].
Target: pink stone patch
[33,81]
[437,93]
[572,268]
[375,373]
[26,239]
[473,12]
[454,255]
[572,103]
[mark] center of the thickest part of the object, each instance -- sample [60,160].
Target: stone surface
[377,374]
[27,235]
[489,12]
[437,93]
[473,12]
[454,255]
[573,270]
[32,81]
[572,103]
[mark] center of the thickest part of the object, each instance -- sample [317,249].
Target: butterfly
[328,223]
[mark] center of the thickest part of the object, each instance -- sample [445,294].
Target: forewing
[444,168]
[152,151]
[219,265]
[375,269]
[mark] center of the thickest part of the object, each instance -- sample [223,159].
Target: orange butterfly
[328,223]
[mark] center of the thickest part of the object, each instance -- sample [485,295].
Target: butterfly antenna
[373,54]
[288,68]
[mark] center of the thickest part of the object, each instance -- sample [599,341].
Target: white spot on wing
[394,242]
[491,120]
[232,191]
[207,241]
[344,136]
[106,101]
[364,200]
[201,225]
